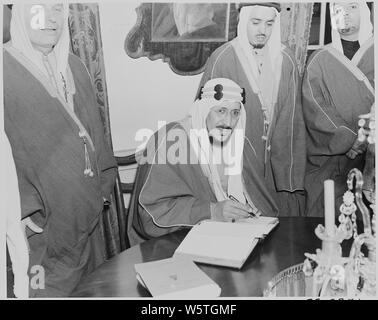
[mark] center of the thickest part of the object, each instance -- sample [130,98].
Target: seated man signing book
[193,168]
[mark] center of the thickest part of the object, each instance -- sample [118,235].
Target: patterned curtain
[295,29]
[86,43]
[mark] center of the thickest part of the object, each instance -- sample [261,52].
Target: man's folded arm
[168,202]
[182,211]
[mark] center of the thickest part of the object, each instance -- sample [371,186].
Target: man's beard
[258,46]
[348,29]
[344,30]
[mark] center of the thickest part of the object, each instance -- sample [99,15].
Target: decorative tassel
[64,87]
[266,125]
[88,167]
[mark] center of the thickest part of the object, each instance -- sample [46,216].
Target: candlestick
[329,207]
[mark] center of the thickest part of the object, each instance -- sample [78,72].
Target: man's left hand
[357,148]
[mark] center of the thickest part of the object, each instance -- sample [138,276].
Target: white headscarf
[366,27]
[57,58]
[267,83]
[208,154]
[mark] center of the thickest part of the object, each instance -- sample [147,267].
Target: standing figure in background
[338,86]
[65,168]
[258,62]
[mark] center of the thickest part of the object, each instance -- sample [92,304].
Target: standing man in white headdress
[65,168]
[258,62]
[338,86]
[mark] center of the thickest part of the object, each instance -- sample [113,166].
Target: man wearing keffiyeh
[64,166]
[338,86]
[257,61]
[194,168]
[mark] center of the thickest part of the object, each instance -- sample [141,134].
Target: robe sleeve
[105,158]
[328,132]
[31,200]
[168,200]
[289,142]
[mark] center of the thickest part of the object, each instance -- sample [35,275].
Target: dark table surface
[283,247]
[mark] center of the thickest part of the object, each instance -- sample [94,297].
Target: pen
[251,212]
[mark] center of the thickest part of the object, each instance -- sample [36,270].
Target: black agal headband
[219,92]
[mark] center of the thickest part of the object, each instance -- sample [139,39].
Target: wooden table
[283,247]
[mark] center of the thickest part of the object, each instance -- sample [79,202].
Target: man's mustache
[224,127]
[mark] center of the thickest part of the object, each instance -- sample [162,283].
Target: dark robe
[168,196]
[282,160]
[333,98]
[49,157]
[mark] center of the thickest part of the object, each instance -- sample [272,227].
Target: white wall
[141,91]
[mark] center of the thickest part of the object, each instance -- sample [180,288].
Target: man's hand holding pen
[253,211]
[231,210]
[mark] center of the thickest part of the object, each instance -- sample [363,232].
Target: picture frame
[156,37]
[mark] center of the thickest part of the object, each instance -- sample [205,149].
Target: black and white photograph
[188,150]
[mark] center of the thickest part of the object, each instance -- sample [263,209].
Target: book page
[263,224]
[237,230]
[243,228]
[221,240]
[214,241]
[219,247]
[260,220]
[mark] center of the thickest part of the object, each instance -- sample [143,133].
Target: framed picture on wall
[207,22]
[182,34]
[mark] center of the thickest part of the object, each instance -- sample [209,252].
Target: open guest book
[224,243]
[176,278]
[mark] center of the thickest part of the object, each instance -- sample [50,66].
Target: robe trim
[249,142]
[351,67]
[316,102]
[148,177]
[292,124]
